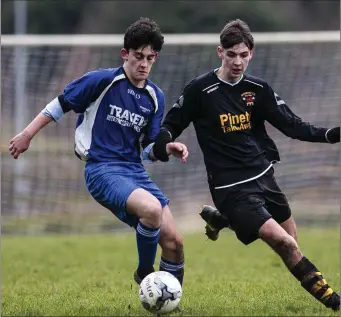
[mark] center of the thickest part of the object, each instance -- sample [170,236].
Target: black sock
[313,282]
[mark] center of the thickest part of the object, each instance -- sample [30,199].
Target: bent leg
[131,196]
[171,242]
[148,211]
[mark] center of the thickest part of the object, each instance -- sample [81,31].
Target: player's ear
[156,56]
[220,52]
[251,53]
[124,54]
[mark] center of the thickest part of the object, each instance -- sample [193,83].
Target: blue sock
[147,240]
[177,269]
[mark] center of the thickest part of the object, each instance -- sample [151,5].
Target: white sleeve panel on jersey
[152,93]
[53,110]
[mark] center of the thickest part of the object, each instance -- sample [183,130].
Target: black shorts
[249,205]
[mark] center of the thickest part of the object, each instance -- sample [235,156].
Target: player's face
[138,63]
[234,60]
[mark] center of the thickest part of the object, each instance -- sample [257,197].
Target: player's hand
[177,149]
[19,144]
[333,135]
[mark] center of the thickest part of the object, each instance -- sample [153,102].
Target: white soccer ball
[160,292]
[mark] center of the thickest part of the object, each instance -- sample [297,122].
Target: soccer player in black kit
[228,109]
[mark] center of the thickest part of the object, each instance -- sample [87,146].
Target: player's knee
[284,245]
[276,237]
[152,214]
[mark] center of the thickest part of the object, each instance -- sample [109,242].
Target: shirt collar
[226,82]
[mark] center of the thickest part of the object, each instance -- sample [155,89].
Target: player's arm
[21,142]
[77,96]
[177,119]
[153,130]
[278,114]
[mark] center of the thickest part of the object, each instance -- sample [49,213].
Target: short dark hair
[143,32]
[236,32]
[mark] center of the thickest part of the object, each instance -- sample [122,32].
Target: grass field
[92,276]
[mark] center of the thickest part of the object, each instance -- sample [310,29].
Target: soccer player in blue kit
[120,109]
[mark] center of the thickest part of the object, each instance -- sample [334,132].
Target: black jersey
[229,123]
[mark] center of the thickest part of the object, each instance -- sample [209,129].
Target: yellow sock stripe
[318,285]
[326,295]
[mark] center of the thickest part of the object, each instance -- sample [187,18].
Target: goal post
[302,67]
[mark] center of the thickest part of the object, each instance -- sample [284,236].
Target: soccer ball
[160,292]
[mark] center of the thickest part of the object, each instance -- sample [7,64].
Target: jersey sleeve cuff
[53,110]
[326,136]
[146,157]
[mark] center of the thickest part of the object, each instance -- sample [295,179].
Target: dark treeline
[97,16]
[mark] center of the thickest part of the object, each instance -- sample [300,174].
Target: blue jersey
[114,115]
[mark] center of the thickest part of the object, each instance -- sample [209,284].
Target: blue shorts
[111,183]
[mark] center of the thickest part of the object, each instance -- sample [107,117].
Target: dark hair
[236,32]
[143,32]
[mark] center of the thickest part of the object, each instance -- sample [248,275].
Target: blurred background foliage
[97,16]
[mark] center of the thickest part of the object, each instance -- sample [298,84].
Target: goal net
[44,191]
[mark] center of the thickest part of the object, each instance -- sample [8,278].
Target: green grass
[91,275]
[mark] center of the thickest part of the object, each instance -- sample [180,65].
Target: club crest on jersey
[249,98]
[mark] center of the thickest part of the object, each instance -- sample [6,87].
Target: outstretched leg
[310,277]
